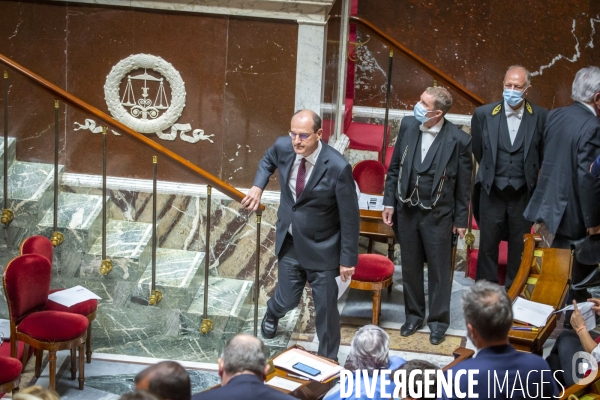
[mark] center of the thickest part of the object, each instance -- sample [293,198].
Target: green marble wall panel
[12,150]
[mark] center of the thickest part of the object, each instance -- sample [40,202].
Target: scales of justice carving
[145,115]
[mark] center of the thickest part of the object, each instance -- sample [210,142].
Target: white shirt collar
[590,108]
[517,113]
[434,130]
[312,158]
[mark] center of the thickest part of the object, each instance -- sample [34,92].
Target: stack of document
[587,313]
[370,202]
[530,312]
[72,296]
[290,360]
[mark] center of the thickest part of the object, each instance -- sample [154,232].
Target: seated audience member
[139,395]
[419,381]
[243,368]
[167,380]
[369,351]
[503,371]
[570,342]
[36,393]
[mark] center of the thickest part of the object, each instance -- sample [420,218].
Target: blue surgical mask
[421,113]
[512,97]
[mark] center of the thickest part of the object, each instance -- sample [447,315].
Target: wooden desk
[371,224]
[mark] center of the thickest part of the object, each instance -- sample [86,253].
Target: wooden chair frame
[376,287]
[12,386]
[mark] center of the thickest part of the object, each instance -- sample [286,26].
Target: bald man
[317,225]
[507,144]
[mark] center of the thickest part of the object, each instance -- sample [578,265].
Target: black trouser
[561,357]
[425,233]
[501,214]
[291,279]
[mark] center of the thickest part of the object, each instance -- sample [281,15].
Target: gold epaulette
[528,107]
[496,110]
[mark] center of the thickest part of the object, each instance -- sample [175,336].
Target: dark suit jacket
[325,219]
[455,157]
[246,387]
[506,361]
[567,195]
[485,130]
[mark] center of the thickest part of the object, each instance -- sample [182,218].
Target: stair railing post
[155,295]
[387,106]
[207,324]
[57,237]
[106,265]
[7,215]
[257,271]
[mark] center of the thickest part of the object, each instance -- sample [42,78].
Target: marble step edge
[91,215]
[45,184]
[12,149]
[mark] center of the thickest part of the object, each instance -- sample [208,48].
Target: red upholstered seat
[366,137]
[369,176]
[373,268]
[37,245]
[85,308]
[53,326]
[10,369]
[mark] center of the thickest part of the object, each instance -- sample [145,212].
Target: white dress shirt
[428,137]
[311,160]
[589,107]
[513,119]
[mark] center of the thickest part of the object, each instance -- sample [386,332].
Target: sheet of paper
[288,359]
[4,329]
[530,312]
[342,286]
[72,296]
[370,202]
[284,383]
[586,312]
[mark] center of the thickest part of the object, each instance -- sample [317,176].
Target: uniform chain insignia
[529,109]
[496,110]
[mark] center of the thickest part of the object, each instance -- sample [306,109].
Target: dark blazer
[325,219]
[567,196]
[247,386]
[504,360]
[455,158]
[485,130]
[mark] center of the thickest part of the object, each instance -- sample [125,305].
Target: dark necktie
[301,178]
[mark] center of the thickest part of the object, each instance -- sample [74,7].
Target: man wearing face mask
[567,196]
[507,144]
[427,184]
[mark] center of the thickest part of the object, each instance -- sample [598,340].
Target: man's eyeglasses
[302,136]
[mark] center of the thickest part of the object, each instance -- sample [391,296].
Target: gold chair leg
[24,356]
[81,366]
[73,364]
[52,367]
[376,306]
[39,354]
[88,343]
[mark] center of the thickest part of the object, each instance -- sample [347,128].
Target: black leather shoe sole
[437,337]
[269,332]
[408,329]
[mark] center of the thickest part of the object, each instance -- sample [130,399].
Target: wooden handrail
[412,56]
[81,105]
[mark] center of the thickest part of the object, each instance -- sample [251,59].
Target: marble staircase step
[30,192]
[287,326]
[128,246]
[229,302]
[179,275]
[12,151]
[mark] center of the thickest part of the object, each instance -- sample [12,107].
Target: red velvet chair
[41,245]
[26,283]
[369,176]
[373,272]
[10,375]
[473,255]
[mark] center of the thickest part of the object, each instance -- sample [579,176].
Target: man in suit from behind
[507,144]
[428,185]
[243,368]
[503,372]
[567,196]
[317,225]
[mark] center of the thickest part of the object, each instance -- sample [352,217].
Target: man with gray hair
[507,144]
[428,186]
[567,196]
[503,372]
[243,368]
[369,351]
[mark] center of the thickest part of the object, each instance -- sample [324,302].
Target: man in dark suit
[428,185]
[317,225]
[507,144]
[504,373]
[243,368]
[567,197]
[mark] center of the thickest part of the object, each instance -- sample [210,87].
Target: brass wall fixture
[105,267]
[469,238]
[155,297]
[57,239]
[7,216]
[207,326]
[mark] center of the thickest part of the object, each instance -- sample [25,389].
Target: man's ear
[266,371]
[221,367]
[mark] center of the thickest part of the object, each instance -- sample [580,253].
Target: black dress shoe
[268,326]
[437,337]
[409,329]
